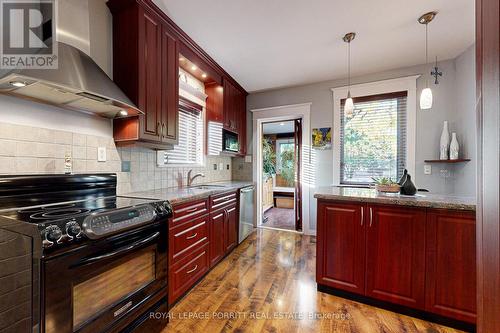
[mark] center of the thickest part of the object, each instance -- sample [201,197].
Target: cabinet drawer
[185,273]
[222,200]
[187,237]
[188,211]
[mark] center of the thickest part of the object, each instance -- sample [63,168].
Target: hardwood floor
[272,274]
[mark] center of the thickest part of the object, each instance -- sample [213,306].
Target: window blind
[373,138]
[189,149]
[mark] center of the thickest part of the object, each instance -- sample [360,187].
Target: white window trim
[278,154]
[408,84]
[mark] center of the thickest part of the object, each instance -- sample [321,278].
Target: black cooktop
[67,210]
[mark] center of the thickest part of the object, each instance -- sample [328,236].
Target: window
[283,146]
[373,139]
[189,149]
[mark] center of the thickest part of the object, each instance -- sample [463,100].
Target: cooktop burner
[54,214]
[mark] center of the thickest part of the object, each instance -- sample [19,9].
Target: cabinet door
[395,255]
[231,230]
[150,33]
[170,87]
[341,246]
[242,120]
[229,105]
[451,264]
[217,234]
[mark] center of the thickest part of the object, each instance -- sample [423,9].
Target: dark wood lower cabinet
[217,224]
[451,264]
[231,228]
[341,253]
[419,258]
[395,255]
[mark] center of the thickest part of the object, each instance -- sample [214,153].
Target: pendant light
[426,94]
[349,104]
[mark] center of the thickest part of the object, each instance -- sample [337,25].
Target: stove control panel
[106,223]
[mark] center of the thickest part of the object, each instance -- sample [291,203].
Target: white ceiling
[278,128]
[269,44]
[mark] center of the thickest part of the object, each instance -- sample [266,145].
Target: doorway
[281,184]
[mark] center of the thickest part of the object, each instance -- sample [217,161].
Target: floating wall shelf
[460,160]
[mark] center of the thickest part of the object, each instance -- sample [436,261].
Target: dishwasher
[247,214]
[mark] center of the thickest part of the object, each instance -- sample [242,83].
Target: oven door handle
[119,251]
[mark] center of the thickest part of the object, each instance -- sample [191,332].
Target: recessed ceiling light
[194,67]
[123,113]
[18,84]
[203,75]
[181,59]
[282,124]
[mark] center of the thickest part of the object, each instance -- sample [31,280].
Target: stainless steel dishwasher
[247,214]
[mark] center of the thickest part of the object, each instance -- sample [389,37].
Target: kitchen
[131,174]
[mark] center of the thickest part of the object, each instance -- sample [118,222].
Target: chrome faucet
[191,179]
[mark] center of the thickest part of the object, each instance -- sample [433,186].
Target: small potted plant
[386,185]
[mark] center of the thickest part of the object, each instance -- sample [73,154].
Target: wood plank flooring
[268,285]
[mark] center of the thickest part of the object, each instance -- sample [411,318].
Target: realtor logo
[27,34]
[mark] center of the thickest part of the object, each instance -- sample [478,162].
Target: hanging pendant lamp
[426,94]
[349,104]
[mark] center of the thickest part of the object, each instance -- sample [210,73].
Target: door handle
[230,210]
[191,210]
[371,217]
[163,127]
[158,129]
[192,270]
[362,215]
[192,236]
[119,251]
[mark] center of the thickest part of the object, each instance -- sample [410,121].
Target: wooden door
[451,264]
[298,180]
[395,255]
[217,236]
[169,87]
[150,36]
[231,229]
[341,246]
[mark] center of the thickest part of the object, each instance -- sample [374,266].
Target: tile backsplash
[33,150]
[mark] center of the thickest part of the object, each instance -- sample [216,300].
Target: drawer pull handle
[371,217]
[362,217]
[192,270]
[191,210]
[192,236]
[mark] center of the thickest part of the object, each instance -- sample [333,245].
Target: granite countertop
[179,195]
[424,199]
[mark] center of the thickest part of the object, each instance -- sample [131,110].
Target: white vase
[444,142]
[454,147]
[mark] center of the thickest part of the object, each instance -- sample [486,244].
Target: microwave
[230,142]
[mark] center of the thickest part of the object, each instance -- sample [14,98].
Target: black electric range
[91,260]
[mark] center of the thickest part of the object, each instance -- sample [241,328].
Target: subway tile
[125,154]
[26,149]
[79,166]
[92,141]
[45,150]
[26,165]
[26,133]
[7,165]
[91,153]
[79,139]
[7,131]
[8,147]
[63,137]
[79,152]
[46,135]
[46,165]
[60,150]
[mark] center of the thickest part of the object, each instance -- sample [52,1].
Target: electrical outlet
[221,166]
[427,169]
[227,166]
[248,159]
[101,154]
[215,166]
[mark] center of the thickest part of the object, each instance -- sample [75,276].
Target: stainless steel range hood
[78,83]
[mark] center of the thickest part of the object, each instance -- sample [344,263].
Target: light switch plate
[101,154]
[248,159]
[427,169]
[221,166]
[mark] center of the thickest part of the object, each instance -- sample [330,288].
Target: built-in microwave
[230,142]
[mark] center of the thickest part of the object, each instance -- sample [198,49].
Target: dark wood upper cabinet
[341,246]
[145,67]
[395,255]
[234,118]
[215,98]
[451,264]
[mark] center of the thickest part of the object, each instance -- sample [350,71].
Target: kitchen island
[410,253]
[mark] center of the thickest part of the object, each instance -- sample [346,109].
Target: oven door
[105,285]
